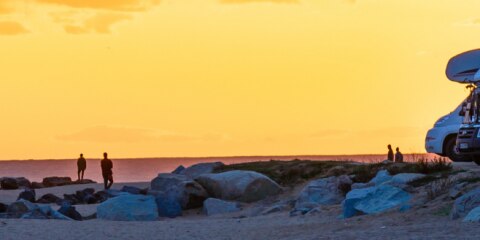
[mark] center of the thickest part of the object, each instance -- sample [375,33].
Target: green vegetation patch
[288,173]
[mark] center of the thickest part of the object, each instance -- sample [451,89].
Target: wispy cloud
[118,5]
[133,134]
[259,1]
[394,132]
[12,28]
[100,23]
[75,16]
[5,8]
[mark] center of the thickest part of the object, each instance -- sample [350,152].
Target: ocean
[145,169]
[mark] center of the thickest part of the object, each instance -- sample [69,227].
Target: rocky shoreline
[214,189]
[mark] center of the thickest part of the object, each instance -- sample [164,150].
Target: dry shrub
[439,187]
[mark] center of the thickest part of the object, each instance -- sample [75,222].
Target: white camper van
[457,135]
[442,137]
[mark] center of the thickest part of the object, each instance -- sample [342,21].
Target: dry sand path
[279,226]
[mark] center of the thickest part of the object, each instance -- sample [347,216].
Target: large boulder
[8,183]
[48,198]
[201,168]
[128,207]
[20,207]
[325,191]
[381,177]
[213,206]
[27,194]
[70,211]
[167,203]
[56,181]
[23,182]
[189,193]
[238,185]
[374,200]
[473,215]
[465,204]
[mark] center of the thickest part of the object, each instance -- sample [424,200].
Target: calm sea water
[145,169]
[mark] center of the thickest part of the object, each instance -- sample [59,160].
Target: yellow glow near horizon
[145,78]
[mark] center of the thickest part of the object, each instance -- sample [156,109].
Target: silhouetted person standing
[398,156]
[81,165]
[390,153]
[107,173]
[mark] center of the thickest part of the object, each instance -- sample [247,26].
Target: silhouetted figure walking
[107,173]
[398,156]
[390,153]
[81,165]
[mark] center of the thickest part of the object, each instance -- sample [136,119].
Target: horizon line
[203,157]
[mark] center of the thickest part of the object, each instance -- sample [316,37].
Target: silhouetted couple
[398,154]
[106,165]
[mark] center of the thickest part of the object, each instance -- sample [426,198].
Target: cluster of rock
[189,188]
[226,192]
[27,210]
[11,183]
[85,196]
[384,192]
[28,207]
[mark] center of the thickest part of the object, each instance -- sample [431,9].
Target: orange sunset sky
[153,78]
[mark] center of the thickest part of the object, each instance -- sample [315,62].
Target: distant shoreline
[273,157]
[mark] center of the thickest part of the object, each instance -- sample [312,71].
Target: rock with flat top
[201,168]
[374,200]
[8,183]
[238,185]
[56,181]
[213,206]
[128,207]
[189,193]
[325,191]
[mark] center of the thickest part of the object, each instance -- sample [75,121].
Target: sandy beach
[424,222]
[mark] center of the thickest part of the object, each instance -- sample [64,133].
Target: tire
[451,152]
